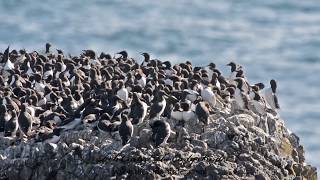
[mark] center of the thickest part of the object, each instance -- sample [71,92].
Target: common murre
[161,131]
[125,129]
[271,97]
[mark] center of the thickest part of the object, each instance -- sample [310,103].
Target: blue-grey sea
[277,39]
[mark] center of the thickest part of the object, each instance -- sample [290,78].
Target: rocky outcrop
[230,147]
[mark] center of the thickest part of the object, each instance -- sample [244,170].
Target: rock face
[230,147]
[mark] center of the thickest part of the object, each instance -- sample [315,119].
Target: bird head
[123,54]
[146,56]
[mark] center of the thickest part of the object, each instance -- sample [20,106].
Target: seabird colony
[45,94]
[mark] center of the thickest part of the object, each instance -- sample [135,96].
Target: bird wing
[155,109]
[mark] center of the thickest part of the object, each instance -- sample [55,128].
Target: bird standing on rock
[25,121]
[140,79]
[233,74]
[6,58]
[187,113]
[203,112]
[4,116]
[158,106]
[210,69]
[160,132]
[271,97]
[240,97]
[177,112]
[11,126]
[114,107]
[209,96]
[171,100]
[259,106]
[123,92]
[48,45]
[105,124]
[125,129]
[138,110]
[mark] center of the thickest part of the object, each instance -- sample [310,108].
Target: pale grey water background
[277,39]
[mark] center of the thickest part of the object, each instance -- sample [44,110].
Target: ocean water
[277,39]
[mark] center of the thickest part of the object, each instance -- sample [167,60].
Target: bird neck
[273,88]
[233,68]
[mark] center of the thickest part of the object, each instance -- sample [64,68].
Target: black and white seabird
[214,80]
[241,98]
[59,51]
[25,121]
[210,69]
[258,104]
[140,79]
[8,64]
[138,110]
[125,129]
[258,87]
[171,100]
[177,113]
[160,132]
[48,72]
[208,95]
[245,86]
[4,115]
[123,92]
[146,59]
[15,81]
[158,105]
[114,107]
[271,97]
[89,53]
[11,125]
[106,126]
[234,72]
[187,113]
[39,84]
[168,70]
[48,45]
[124,54]
[203,112]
